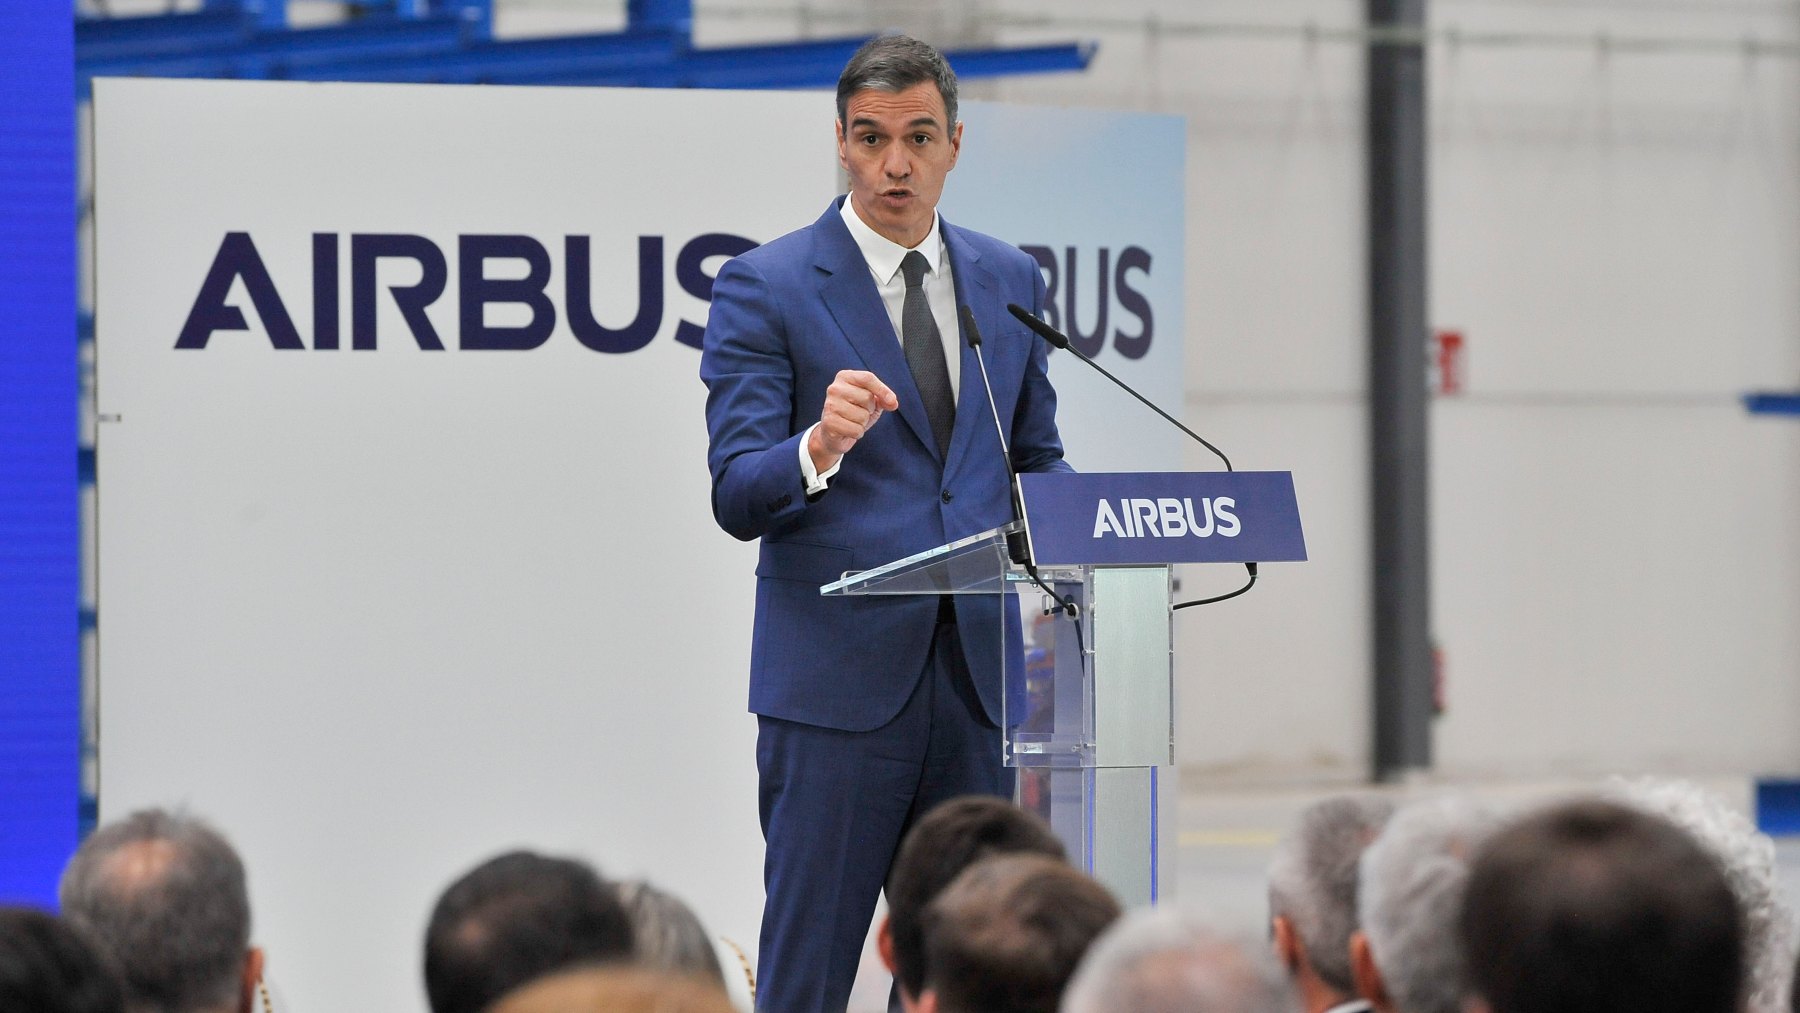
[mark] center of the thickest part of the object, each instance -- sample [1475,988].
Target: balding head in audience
[936,850]
[1595,907]
[164,895]
[1005,936]
[1162,961]
[1405,957]
[1312,894]
[515,918]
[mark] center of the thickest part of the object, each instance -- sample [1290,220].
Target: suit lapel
[850,295]
[977,289]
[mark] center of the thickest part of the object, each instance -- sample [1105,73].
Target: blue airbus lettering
[1068,279]
[238,260]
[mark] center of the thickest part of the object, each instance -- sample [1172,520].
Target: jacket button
[947,497]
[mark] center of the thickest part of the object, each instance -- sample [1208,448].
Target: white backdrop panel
[382,613]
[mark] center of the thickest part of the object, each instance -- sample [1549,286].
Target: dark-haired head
[947,840]
[48,966]
[1590,907]
[894,63]
[513,919]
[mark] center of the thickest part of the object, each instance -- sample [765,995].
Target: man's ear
[884,944]
[1366,975]
[1285,942]
[253,972]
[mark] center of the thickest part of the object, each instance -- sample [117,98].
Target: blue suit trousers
[858,794]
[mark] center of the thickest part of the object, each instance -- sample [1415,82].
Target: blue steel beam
[802,65]
[276,54]
[673,16]
[107,38]
[1021,60]
[1773,402]
[503,62]
[267,13]
[477,14]
[788,64]
[654,60]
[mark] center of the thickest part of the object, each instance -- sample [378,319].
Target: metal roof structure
[452,42]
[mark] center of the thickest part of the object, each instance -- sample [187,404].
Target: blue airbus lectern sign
[1155,517]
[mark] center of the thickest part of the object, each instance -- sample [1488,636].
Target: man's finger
[882,396]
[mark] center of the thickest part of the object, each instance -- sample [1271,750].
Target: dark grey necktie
[925,352]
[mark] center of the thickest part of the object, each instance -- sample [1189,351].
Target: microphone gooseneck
[1061,340]
[1018,544]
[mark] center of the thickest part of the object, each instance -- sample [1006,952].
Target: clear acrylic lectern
[1088,713]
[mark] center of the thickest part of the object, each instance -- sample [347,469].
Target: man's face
[897,149]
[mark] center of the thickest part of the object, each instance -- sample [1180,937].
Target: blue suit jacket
[785,318]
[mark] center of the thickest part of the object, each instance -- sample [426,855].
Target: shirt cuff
[816,482]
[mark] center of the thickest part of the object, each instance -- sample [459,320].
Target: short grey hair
[164,894]
[667,935]
[894,63]
[1159,960]
[1412,882]
[1747,857]
[1313,877]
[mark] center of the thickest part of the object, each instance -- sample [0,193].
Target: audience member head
[1405,956]
[1595,907]
[514,918]
[1006,934]
[894,63]
[48,966]
[615,990]
[1157,960]
[163,894]
[1748,860]
[1312,894]
[667,935]
[944,842]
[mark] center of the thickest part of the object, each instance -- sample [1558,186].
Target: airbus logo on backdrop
[1167,518]
[239,260]
[1067,294]
[1074,294]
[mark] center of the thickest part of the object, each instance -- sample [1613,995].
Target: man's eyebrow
[869,123]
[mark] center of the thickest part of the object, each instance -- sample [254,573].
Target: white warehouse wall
[1615,569]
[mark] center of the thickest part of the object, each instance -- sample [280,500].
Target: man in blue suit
[870,710]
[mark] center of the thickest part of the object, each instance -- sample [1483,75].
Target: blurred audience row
[1651,897]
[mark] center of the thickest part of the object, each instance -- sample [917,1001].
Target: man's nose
[897,164]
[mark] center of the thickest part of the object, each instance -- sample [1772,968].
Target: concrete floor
[1227,834]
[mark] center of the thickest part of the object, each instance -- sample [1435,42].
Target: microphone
[1060,340]
[1018,544]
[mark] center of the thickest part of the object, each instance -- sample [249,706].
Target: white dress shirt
[883,256]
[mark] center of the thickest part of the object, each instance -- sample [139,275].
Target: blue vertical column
[39,513]
[673,16]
